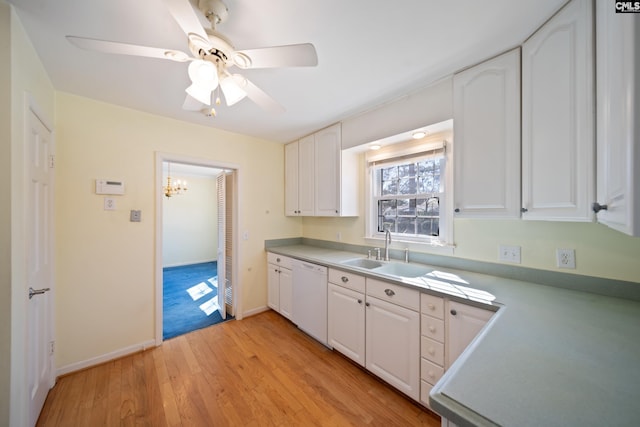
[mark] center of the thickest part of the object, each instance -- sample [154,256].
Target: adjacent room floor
[190,298]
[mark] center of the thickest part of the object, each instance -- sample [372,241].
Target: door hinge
[52,347]
[52,161]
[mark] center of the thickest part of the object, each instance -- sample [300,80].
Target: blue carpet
[190,298]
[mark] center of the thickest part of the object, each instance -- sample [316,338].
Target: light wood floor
[260,371]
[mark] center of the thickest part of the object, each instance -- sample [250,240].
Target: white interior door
[221,187]
[39,211]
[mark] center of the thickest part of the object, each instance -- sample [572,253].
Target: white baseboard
[84,364]
[255,311]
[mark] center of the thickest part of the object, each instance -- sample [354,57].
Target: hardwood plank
[261,371]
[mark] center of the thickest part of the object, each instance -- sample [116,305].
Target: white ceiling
[369,52]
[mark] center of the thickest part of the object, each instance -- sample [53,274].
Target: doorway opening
[195,249]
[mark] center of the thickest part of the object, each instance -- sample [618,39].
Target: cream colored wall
[105,264]
[600,251]
[27,76]
[190,223]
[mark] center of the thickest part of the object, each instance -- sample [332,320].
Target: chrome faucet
[387,241]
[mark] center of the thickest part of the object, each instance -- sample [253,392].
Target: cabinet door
[618,180]
[486,111]
[393,345]
[327,166]
[273,287]
[346,316]
[291,179]
[464,323]
[306,168]
[557,117]
[286,293]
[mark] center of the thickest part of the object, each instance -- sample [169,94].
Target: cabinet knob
[523,210]
[432,351]
[389,292]
[359,301]
[345,279]
[456,210]
[277,259]
[453,312]
[432,329]
[597,207]
[431,306]
[367,304]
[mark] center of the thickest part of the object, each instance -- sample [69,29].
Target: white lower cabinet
[393,336]
[405,337]
[346,314]
[464,322]
[279,284]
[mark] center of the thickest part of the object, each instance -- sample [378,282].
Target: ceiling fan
[212,55]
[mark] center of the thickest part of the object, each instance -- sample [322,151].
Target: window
[407,193]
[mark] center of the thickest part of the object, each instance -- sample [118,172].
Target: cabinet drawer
[281,260]
[432,328]
[348,280]
[396,294]
[425,389]
[430,372]
[432,305]
[432,350]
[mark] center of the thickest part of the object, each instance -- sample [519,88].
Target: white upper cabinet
[291,179]
[486,108]
[299,179]
[321,179]
[327,166]
[558,165]
[618,119]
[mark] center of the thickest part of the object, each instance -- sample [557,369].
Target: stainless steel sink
[363,263]
[403,269]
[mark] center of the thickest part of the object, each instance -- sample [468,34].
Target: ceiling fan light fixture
[203,74]
[199,93]
[232,89]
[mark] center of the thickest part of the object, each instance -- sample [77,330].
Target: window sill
[433,248]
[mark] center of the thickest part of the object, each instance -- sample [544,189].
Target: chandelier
[173,188]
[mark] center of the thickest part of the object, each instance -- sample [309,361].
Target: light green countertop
[549,357]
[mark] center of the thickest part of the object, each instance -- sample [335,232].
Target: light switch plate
[509,253]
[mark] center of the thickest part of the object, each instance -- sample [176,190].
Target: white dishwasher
[310,298]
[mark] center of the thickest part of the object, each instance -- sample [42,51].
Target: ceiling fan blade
[128,49]
[295,55]
[186,17]
[263,100]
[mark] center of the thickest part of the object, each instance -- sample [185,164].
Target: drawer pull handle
[389,292]
[345,279]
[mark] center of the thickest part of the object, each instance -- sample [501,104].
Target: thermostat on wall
[104,186]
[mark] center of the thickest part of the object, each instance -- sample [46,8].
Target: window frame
[410,150]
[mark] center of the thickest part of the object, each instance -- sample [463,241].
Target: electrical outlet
[109,204]
[509,253]
[566,258]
